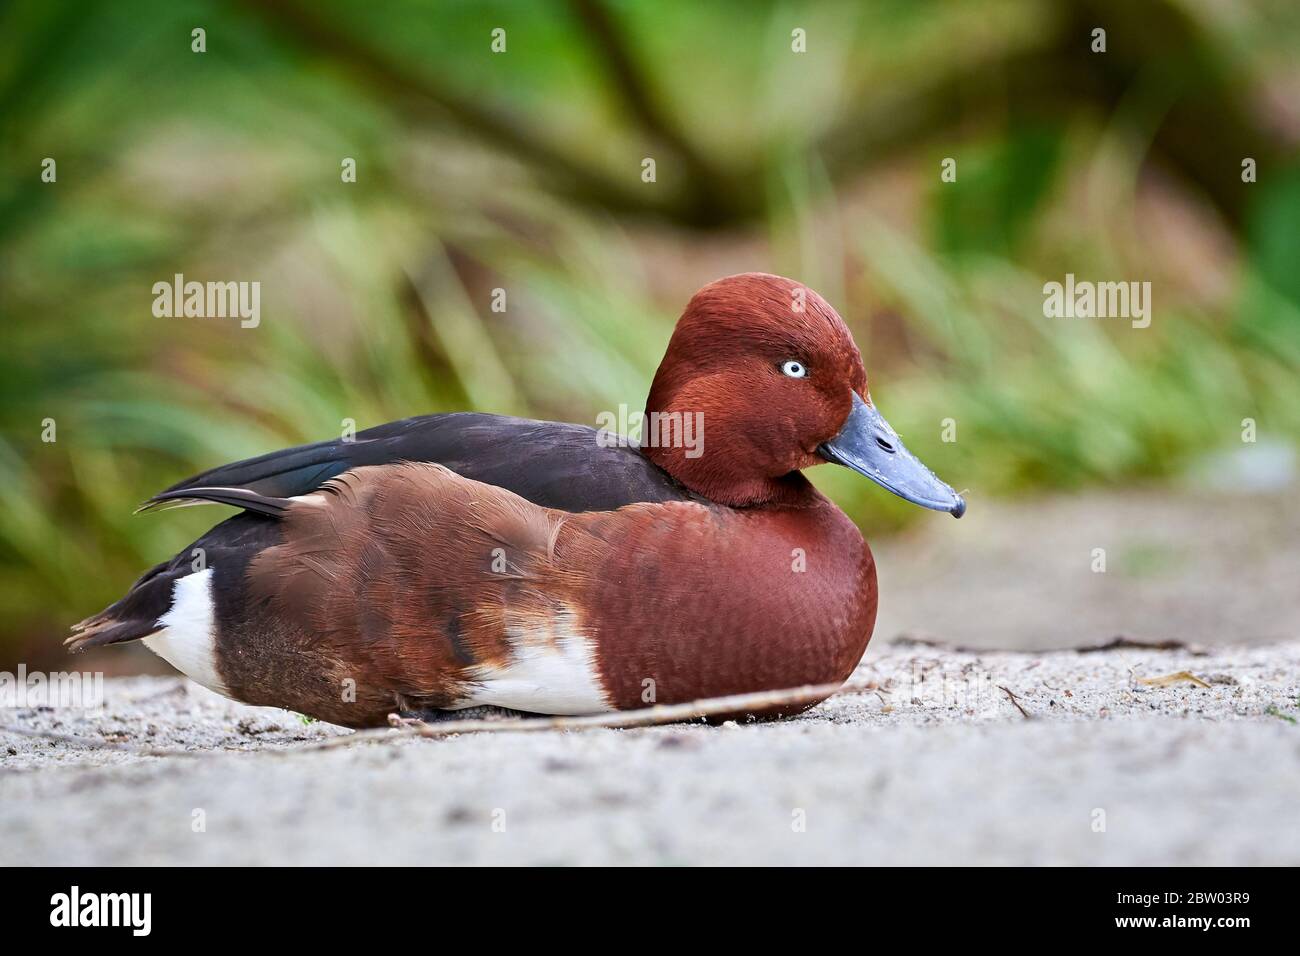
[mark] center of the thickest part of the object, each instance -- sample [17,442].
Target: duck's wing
[553,464]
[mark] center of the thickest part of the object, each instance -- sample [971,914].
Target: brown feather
[388,578]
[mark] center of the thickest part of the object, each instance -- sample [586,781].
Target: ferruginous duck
[448,563]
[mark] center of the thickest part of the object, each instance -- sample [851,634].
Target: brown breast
[688,601]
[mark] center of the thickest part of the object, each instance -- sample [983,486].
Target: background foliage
[522,171]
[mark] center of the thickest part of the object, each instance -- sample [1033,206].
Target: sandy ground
[936,764]
[1202,567]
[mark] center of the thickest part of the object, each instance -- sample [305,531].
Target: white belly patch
[187,639]
[552,671]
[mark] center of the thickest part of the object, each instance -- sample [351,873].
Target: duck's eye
[794,369]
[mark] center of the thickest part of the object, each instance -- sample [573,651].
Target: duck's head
[762,379]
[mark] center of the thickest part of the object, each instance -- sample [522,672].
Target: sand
[935,764]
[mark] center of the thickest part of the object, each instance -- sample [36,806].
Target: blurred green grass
[521,171]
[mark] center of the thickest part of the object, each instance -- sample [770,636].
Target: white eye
[794,369]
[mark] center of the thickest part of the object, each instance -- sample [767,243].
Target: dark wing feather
[553,464]
[236,497]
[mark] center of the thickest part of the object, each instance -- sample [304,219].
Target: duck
[465,563]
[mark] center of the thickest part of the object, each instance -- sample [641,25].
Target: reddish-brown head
[769,370]
[762,379]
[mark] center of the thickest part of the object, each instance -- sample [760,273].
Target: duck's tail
[141,610]
[132,617]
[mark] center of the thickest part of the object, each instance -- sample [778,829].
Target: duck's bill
[870,446]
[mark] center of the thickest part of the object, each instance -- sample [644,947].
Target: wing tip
[234,497]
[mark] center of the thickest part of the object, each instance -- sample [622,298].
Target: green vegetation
[522,171]
[1272,711]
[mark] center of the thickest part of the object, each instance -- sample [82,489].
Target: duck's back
[552,464]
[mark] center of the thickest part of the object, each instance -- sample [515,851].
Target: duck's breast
[687,601]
